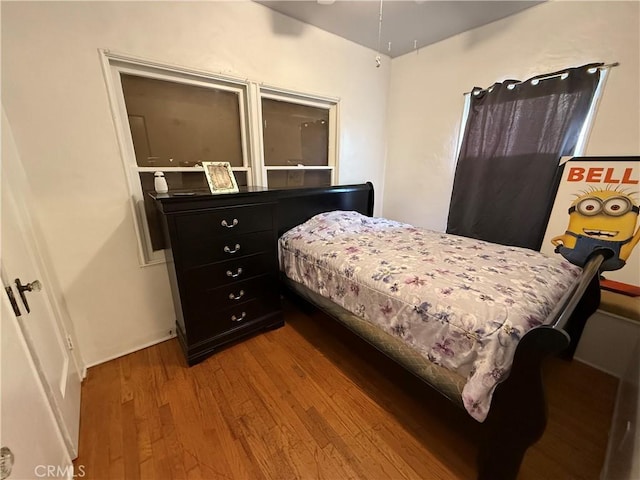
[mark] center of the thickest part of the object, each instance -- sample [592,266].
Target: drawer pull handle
[228,250]
[233,296]
[233,224]
[234,275]
[238,319]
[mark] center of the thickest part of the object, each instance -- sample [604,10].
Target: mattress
[462,304]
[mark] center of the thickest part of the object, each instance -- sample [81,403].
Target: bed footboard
[518,414]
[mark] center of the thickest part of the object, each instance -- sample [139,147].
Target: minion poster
[597,207]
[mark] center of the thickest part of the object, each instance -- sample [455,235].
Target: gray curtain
[507,172]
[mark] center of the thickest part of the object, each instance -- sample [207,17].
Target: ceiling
[406,25]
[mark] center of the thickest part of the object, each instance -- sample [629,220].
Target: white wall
[56,103]
[426,92]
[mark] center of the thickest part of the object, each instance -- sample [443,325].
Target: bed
[473,320]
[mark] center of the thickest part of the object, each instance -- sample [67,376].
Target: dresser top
[202,199]
[204,193]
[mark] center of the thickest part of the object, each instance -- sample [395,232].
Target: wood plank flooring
[311,401]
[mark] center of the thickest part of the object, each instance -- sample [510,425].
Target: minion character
[600,219]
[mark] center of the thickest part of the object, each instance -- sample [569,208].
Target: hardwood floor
[311,401]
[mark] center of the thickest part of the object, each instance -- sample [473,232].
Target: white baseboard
[607,342]
[128,351]
[595,365]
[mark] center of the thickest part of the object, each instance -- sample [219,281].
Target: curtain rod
[535,81]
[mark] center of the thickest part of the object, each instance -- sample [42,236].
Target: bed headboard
[296,206]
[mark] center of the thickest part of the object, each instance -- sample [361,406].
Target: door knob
[6,462]
[34,286]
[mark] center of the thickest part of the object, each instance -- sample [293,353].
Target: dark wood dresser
[223,266]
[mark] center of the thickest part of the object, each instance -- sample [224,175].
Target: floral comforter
[462,303]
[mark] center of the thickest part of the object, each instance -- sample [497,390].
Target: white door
[28,427]
[44,335]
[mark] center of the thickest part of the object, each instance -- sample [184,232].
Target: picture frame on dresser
[220,177]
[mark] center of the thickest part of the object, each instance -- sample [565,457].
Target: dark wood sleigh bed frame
[518,413]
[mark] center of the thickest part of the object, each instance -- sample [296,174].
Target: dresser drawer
[200,250]
[223,322]
[203,300]
[224,221]
[231,271]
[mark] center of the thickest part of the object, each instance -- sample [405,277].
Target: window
[171,119]
[298,142]
[513,137]
[180,125]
